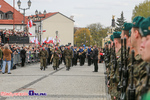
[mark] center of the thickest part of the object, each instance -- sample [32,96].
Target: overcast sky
[85,12]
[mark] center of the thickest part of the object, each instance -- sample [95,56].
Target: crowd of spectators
[7,53]
[4,34]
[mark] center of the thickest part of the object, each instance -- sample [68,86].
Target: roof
[47,15]
[18,17]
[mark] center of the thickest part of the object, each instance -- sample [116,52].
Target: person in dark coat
[95,58]
[23,56]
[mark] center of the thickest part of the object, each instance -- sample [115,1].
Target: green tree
[120,22]
[98,32]
[82,36]
[143,9]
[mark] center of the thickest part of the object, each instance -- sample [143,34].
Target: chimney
[71,17]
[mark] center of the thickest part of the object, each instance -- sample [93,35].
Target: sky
[85,12]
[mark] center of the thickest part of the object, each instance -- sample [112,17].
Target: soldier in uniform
[81,56]
[68,53]
[43,56]
[143,90]
[56,57]
[89,55]
[75,52]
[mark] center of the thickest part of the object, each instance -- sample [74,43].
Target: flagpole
[13,14]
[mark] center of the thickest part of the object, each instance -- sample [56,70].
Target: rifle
[120,67]
[125,74]
[114,65]
[132,89]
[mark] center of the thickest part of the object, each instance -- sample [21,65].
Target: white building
[55,23]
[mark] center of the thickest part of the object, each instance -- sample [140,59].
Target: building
[109,32]
[11,19]
[57,26]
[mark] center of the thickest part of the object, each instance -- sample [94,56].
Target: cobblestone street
[80,83]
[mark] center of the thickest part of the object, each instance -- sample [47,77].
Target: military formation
[127,61]
[68,54]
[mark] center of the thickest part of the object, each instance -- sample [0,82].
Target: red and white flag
[30,33]
[30,23]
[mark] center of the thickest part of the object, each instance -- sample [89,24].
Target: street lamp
[40,17]
[29,5]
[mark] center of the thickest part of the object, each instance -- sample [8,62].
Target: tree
[120,22]
[82,36]
[143,9]
[98,32]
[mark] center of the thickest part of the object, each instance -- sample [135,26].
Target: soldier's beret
[117,34]
[129,32]
[145,27]
[127,26]
[105,42]
[112,38]
[136,21]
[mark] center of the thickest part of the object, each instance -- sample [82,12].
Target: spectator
[23,56]
[12,49]
[6,58]
[0,57]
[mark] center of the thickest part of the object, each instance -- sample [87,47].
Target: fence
[30,58]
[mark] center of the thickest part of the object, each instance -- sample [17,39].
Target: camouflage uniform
[43,56]
[139,72]
[68,53]
[56,57]
[115,76]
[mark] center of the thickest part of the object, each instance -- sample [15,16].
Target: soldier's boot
[41,68]
[54,67]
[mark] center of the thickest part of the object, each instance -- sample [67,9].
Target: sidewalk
[80,83]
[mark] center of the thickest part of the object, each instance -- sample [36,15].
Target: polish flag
[30,33]
[30,23]
[50,40]
[43,41]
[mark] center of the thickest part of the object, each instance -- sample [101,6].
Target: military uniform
[68,53]
[56,57]
[143,84]
[81,56]
[89,56]
[43,56]
[75,56]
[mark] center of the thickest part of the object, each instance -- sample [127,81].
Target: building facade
[57,26]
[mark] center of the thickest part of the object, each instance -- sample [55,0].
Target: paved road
[80,83]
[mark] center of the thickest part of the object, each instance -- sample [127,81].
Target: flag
[30,33]
[30,23]
[44,30]
[50,40]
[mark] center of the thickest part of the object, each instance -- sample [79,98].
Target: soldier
[75,55]
[139,65]
[68,53]
[95,58]
[89,55]
[56,57]
[115,68]
[81,56]
[43,56]
[143,90]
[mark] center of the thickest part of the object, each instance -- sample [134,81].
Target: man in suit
[95,58]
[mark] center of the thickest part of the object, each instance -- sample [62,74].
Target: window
[1,15]
[9,15]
